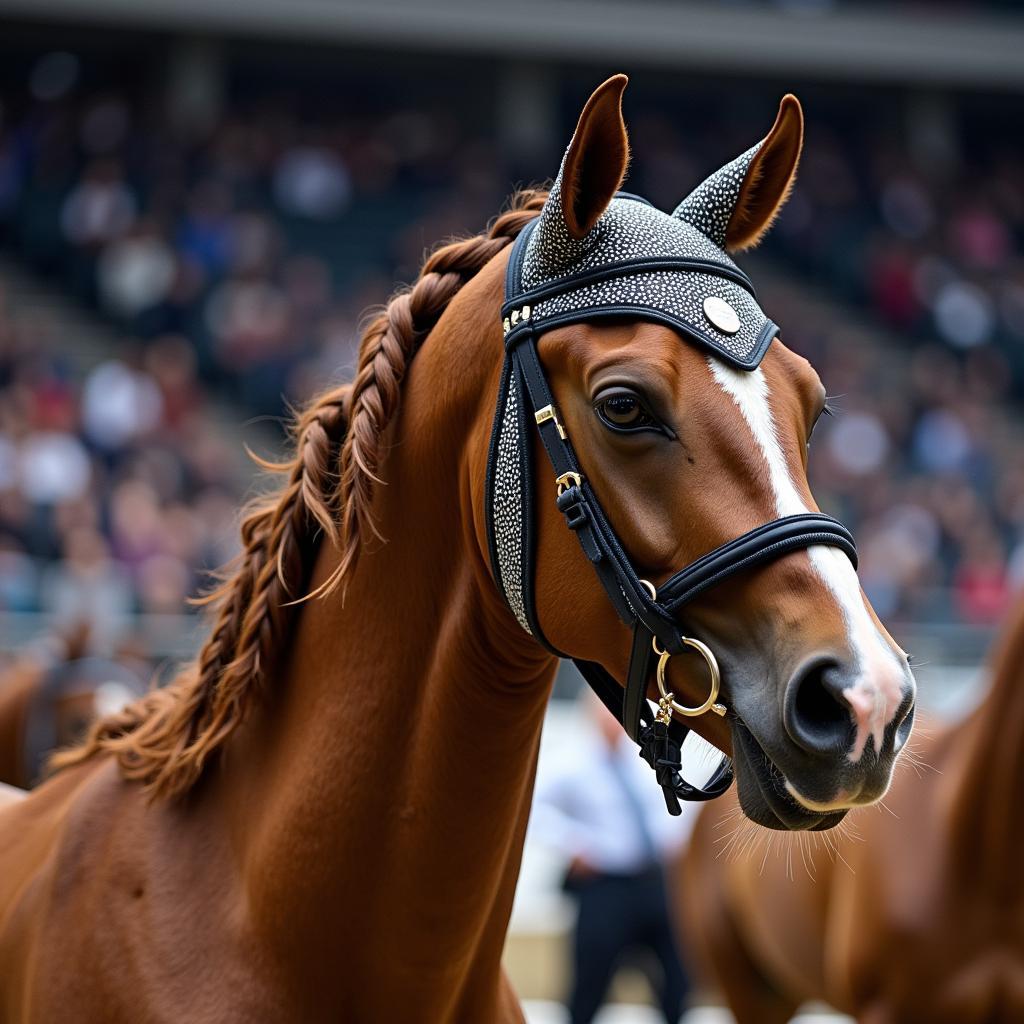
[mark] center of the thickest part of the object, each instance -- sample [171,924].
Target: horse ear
[596,160]
[736,206]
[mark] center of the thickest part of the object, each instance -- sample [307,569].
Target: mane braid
[166,739]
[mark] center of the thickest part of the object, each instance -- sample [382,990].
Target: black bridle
[525,397]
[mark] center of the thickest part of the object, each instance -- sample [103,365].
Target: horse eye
[622,410]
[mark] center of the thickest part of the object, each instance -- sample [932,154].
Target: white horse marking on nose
[877,693]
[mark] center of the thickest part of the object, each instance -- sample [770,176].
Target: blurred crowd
[236,260]
[925,454]
[116,490]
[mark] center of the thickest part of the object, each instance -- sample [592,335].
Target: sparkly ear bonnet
[640,263]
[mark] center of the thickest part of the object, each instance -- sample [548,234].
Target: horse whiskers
[728,851]
[732,815]
[914,755]
[848,830]
[764,860]
[911,766]
[756,834]
[807,856]
[731,849]
[739,838]
[746,840]
[751,837]
[915,762]
[769,843]
[835,852]
[885,807]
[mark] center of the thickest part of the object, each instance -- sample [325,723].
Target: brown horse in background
[50,695]
[918,915]
[323,819]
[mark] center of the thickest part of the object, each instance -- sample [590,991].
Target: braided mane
[165,739]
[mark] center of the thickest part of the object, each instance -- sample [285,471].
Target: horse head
[689,421]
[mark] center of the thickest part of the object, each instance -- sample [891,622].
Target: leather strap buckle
[542,416]
[567,480]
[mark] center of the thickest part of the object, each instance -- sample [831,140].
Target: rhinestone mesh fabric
[631,229]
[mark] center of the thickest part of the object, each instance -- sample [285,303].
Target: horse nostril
[817,714]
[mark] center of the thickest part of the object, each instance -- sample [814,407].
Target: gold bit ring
[711,704]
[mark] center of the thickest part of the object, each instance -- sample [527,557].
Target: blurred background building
[199,201]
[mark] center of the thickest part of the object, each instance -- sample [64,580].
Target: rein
[524,398]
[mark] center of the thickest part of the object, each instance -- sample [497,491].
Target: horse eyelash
[826,410]
[831,407]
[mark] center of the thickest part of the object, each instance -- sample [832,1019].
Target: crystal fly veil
[633,262]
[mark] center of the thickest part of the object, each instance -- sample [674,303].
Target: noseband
[633,288]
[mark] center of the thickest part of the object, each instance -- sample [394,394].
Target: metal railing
[177,637]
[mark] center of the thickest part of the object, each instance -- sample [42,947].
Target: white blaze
[877,693]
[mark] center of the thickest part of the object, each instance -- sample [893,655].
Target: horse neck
[988,833]
[388,778]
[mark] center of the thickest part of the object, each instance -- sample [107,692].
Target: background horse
[916,917]
[323,819]
[50,695]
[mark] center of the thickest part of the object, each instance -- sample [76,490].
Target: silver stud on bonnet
[721,315]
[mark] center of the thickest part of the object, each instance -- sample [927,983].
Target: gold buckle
[668,703]
[548,413]
[567,480]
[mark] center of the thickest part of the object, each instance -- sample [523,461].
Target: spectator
[86,586]
[119,404]
[311,181]
[100,208]
[607,818]
[136,272]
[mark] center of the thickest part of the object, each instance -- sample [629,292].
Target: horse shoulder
[143,903]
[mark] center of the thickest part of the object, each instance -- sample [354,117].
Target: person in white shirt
[604,812]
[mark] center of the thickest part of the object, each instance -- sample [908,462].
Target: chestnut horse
[917,918]
[323,820]
[49,696]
